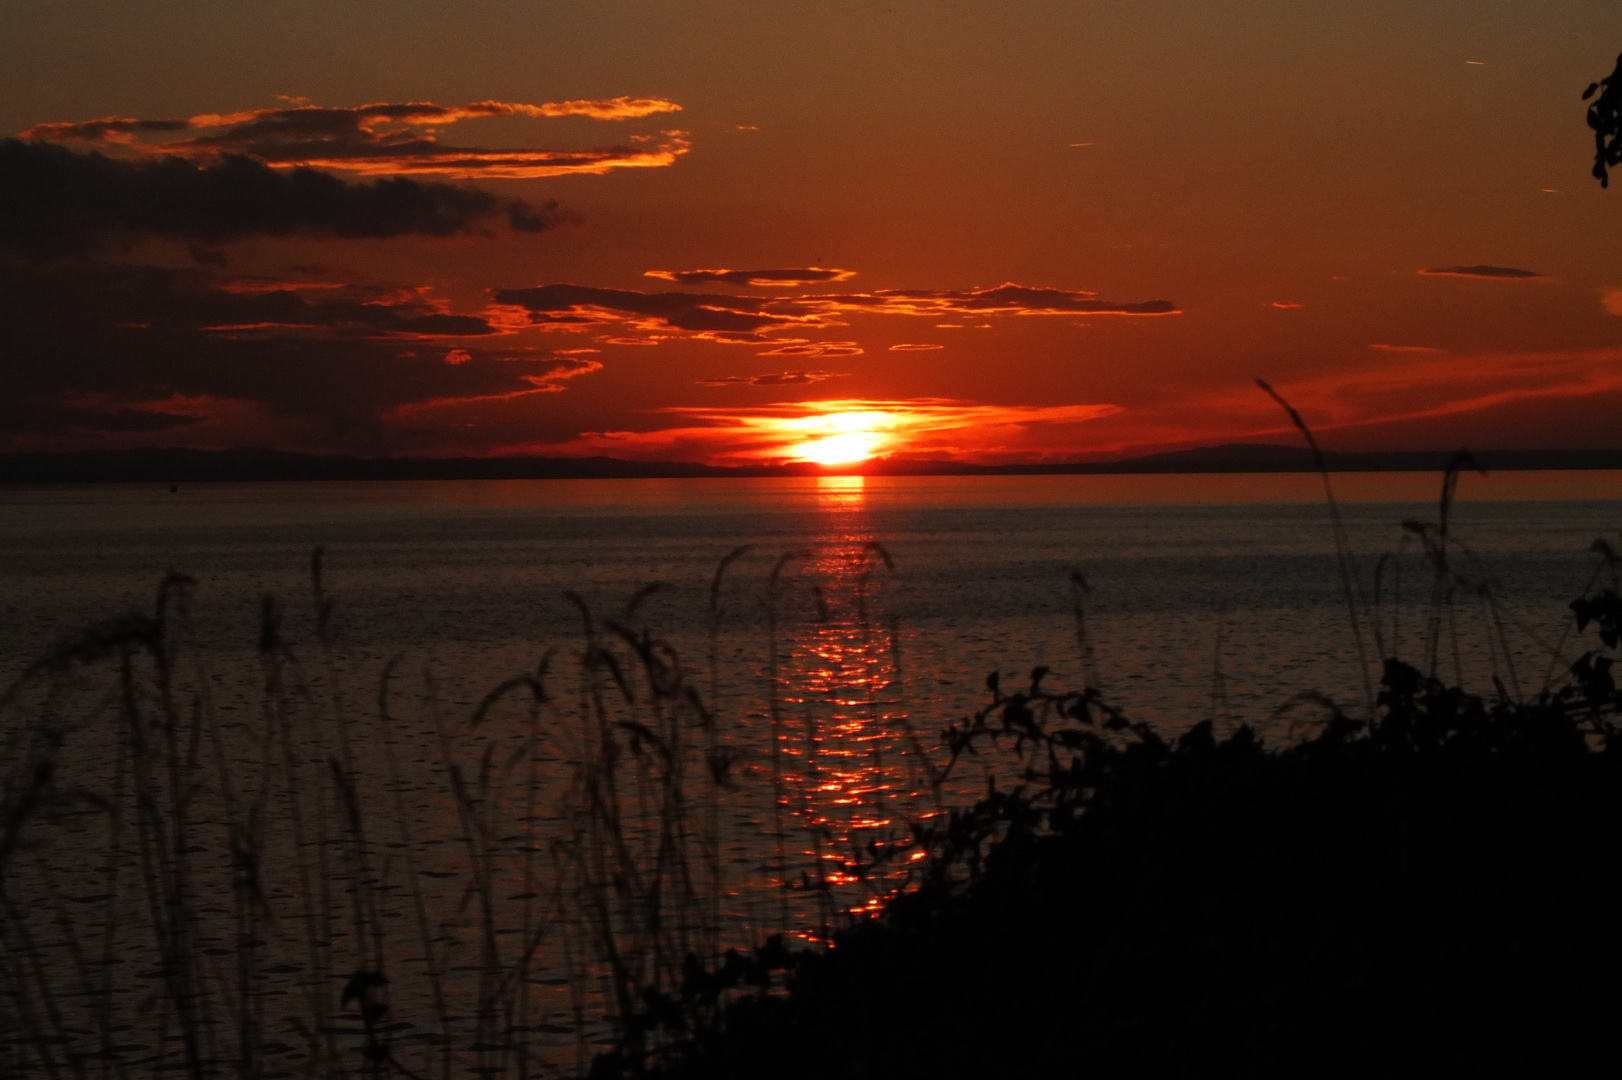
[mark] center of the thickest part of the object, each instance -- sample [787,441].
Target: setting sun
[838,449]
[849,436]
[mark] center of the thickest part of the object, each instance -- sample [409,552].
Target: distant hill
[200,466]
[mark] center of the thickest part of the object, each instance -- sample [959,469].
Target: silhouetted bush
[1432,893]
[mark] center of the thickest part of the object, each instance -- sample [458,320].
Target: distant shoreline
[203,466]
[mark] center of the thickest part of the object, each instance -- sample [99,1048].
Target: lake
[716,756]
[471,576]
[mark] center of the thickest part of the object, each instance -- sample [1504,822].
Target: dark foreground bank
[1434,893]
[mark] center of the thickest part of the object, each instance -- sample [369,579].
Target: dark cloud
[148,298]
[748,318]
[381,139]
[1008,299]
[809,275]
[129,350]
[55,202]
[702,313]
[1502,273]
[23,416]
[781,378]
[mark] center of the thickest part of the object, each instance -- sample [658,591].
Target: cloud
[1610,297]
[1287,305]
[24,417]
[192,302]
[1006,299]
[815,348]
[54,202]
[1496,273]
[782,378]
[809,275]
[551,382]
[620,108]
[1406,348]
[908,346]
[116,352]
[697,312]
[919,427]
[381,139]
[722,317]
[1424,388]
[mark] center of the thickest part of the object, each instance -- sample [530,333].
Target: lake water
[864,617]
[470,577]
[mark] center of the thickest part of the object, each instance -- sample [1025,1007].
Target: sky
[736,232]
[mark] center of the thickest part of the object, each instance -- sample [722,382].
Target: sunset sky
[739,231]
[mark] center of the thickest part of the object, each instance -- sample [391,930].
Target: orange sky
[733,231]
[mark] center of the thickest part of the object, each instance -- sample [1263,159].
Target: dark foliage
[1605,118]
[1429,894]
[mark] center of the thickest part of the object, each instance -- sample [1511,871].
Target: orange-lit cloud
[549,382]
[1406,348]
[916,428]
[808,275]
[747,318]
[380,139]
[1610,298]
[1006,299]
[909,346]
[1491,273]
[815,348]
[1418,388]
[781,378]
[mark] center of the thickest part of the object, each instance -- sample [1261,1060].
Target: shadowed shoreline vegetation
[1430,894]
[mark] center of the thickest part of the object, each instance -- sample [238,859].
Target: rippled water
[863,618]
[470,577]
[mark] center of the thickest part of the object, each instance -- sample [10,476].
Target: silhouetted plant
[1393,896]
[1605,118]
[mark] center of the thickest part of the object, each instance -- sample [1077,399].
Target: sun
[843,438]
[838,449]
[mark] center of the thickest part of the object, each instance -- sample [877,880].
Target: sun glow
[837,449]
[843,437]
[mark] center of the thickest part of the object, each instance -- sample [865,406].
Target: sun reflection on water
[854,774]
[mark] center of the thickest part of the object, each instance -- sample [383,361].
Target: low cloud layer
[1497,273]
[100,352]
[781,378]
[723,317]
[54,202]
[97,349]
[1409,391]
[815,348]
[808,275]
[380,139]
[911,428]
